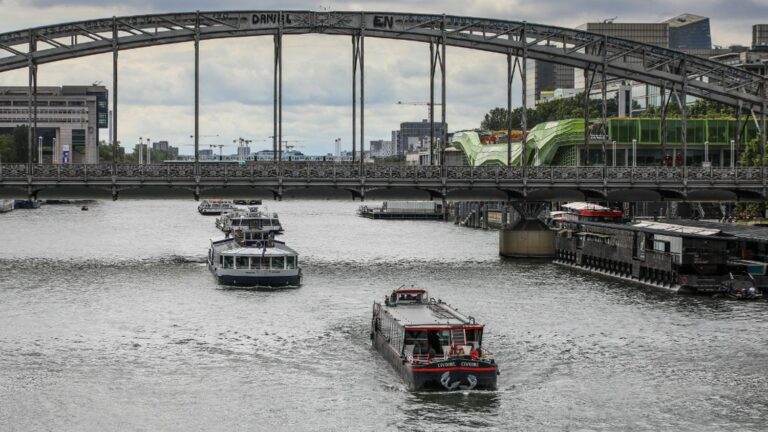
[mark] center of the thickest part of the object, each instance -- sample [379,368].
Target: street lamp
[149,155]
[39,150]
[141,150]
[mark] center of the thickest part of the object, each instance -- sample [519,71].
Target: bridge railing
[348,171]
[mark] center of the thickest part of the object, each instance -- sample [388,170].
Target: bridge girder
[612,56]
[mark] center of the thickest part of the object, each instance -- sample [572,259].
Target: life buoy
[683,280]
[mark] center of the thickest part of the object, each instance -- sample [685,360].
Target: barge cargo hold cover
[692,259]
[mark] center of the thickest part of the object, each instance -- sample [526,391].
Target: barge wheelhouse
[430,344]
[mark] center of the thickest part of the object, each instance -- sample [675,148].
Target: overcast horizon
[156,84]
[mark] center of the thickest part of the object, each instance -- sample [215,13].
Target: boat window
[260,262]
[290,262]
[242,262]
[278,262]
[228,261]
[412,337]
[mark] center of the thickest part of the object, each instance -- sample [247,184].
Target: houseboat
[249,217]
[253,258]
[430,344]
[214,207]
[666,255]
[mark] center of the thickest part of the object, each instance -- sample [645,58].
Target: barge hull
[450,375]
[259,280]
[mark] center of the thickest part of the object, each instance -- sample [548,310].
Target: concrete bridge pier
[529,237]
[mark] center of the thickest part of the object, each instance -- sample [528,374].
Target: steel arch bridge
[599,55]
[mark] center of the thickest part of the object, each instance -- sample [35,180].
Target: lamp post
[39,150]
[613,148]
[53,150]
[706,151]
[634,153]
[733,154]
[149,156]
[141,150]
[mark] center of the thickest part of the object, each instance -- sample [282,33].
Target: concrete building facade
[68,120]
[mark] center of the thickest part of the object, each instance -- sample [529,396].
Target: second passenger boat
[252,257]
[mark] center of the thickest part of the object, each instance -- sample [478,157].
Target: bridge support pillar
[197,193]
[529,237]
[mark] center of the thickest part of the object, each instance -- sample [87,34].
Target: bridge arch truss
[602,56]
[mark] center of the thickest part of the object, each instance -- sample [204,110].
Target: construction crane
[429,106]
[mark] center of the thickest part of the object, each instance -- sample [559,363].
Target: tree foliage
[557,109]
[13,147]
[701,108]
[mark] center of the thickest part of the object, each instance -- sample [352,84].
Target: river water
[109,320]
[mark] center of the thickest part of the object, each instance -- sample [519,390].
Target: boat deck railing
[420,359]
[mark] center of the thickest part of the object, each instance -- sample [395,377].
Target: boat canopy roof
[429,315]
[230,247]
[584,206]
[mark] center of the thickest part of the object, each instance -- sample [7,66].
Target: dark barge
[675,257]
[430,344]
[403,210]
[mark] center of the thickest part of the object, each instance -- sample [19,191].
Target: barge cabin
[676,257]
[430,344]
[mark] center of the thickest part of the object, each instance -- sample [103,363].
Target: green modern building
[556,143]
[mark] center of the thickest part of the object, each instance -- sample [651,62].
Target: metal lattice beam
[627,59]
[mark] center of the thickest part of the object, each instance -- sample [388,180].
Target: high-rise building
[545,77]
[689,32]
[648,33]
[760,36]
[68,119]
[381,148]
[413,133]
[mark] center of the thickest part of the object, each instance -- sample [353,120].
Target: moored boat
[214,207]
[430,344]
[251,217]
[253,258]
[27,204]
[6,205]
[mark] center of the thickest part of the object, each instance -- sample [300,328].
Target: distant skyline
[156,84]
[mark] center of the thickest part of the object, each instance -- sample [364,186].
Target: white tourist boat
[251,217]
[253,258]
[215,207]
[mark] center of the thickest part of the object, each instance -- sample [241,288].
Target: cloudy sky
[156,84]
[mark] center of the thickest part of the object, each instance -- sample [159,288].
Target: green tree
[7,153]
[557,109]
[20,147]
[751,157]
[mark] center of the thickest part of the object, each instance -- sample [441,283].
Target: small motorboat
[741,288]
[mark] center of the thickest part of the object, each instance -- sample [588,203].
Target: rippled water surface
[109,320]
